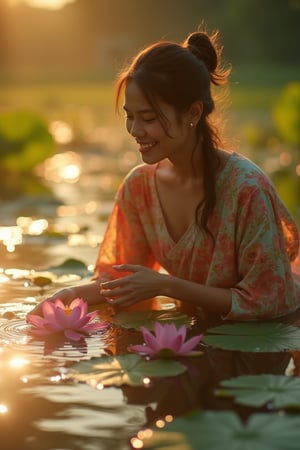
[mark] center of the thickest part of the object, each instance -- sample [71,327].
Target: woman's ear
[195,112]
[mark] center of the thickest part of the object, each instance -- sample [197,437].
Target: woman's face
[144,125]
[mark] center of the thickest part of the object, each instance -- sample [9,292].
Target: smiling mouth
[146,147]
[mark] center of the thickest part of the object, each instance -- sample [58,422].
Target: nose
[136,129]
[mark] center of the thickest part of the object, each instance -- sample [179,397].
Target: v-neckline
[163,225]
[161,217]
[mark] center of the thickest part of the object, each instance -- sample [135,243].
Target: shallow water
[40,407]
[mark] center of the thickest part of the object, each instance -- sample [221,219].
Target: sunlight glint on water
[10,237]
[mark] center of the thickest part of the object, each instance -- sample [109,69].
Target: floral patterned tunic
[256,240]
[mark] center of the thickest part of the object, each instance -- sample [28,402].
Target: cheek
[156,130]
[128,125]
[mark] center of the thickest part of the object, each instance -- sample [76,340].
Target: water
[40,407]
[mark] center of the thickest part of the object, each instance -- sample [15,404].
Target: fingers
[65,295]
[125,300]
[113,293]
[128,289]
[119,296]
[107,285]
[124,280]
[128,267]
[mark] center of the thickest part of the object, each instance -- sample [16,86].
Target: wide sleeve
[267,241]
[124,240]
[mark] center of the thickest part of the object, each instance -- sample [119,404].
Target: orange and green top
[256,239]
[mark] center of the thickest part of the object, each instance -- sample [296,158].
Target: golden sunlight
[34,227]
[10,237]
[62,167]
[17,361]
[45,4]
[3,408]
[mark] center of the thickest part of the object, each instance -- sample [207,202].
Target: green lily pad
[71,265]
[224,430]
[137,319]
[254,337]
[123,369]
[257,390]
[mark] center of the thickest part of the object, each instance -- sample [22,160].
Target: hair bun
[201,46]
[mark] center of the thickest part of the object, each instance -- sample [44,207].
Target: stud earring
[191,124]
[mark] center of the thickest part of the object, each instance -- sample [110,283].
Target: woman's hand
[142,284]
[65,295]
[89,292]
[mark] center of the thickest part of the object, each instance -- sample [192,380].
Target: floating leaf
[71,265]
[137,319]
[224,430]
[257,390]
[254,337]
[123,369]
[41,281]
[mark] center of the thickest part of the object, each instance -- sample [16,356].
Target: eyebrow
[141,111]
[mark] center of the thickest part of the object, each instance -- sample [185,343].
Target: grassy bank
[252,87]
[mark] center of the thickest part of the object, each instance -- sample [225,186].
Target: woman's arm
[145,283]
[210,298]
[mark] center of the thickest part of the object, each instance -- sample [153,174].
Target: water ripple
[15,333]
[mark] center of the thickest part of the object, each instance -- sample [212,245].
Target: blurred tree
[24,141]
[94,36]
[263,30]
[3,36]
[286,114]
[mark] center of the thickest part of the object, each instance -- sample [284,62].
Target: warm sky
[48,4]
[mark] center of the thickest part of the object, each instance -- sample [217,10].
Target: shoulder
[245,168]
[139,175]
[244,174]
[139,172]
[137,182]
[243,184]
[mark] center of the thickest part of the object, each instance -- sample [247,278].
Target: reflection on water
[11,236]
[16,332]
[52,411]
[42,409]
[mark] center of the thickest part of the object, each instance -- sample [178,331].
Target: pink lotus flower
[167,341]
[73,320]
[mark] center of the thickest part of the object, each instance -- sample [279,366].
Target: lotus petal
[191,343]
[73,320]
[167,341]
[73,335]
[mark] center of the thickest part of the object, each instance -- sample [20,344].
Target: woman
[210,218]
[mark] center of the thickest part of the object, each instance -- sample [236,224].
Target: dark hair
[180,74]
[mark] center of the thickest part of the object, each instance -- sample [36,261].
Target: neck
[188,167]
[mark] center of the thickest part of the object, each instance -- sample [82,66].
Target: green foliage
[287,183]
[24,140]
[137,319]
[124,369]
[224,430]
[254,337]
[278,391]
[286,113]
[71,266]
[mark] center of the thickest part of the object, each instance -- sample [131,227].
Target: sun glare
[46,4]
